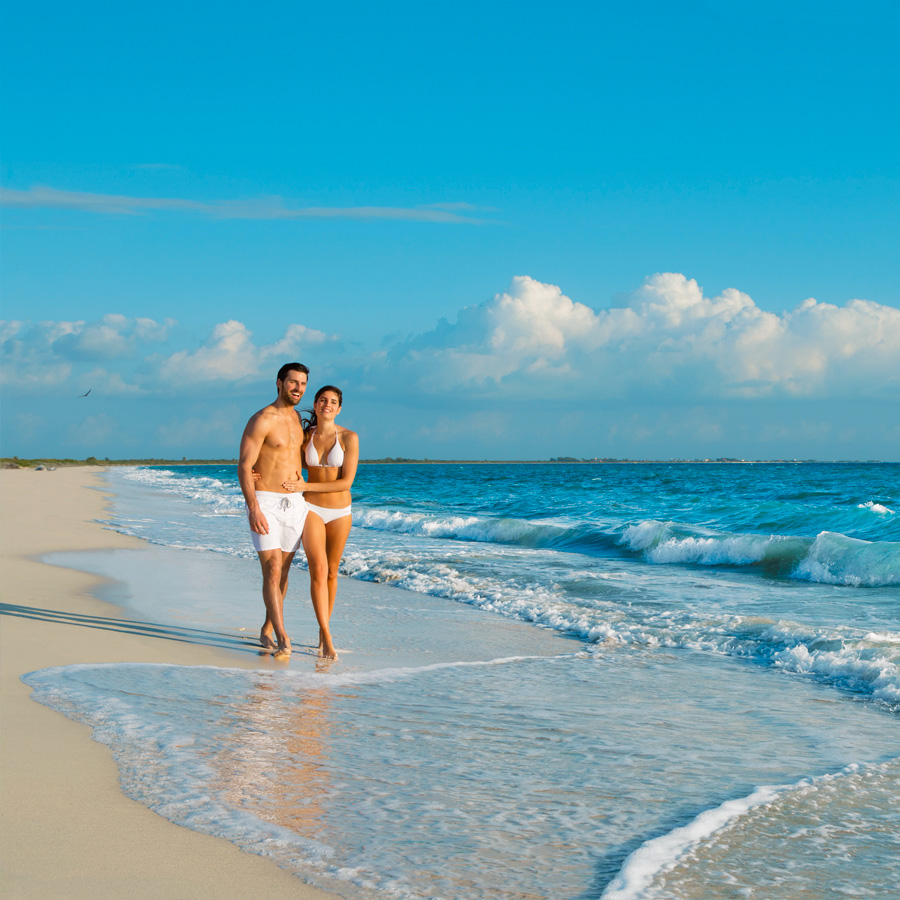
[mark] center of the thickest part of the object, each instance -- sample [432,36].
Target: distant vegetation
[14,462]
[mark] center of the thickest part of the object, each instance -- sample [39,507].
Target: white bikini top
[335,455]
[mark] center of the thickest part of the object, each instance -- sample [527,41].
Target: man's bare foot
[266,641]
[283,650]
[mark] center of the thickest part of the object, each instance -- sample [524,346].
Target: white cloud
[530,327]
[530,372]
[113,355]
[150,330]
[295,336]
[229,355]
[671,341]
[45,354]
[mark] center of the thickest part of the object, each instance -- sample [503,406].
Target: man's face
[293,387]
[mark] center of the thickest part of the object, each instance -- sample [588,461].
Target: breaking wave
[829,558]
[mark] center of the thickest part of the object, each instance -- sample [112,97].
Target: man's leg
[271,562]
[267,632]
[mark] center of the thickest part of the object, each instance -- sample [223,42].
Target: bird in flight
[88,391]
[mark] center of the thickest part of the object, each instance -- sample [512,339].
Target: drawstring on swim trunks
[285,503]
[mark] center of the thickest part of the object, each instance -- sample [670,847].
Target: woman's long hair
[311,422]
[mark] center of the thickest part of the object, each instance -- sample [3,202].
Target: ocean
[611,681]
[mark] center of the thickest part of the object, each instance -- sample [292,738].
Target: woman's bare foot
[326,648]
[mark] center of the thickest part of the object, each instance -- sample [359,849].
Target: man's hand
[258,521]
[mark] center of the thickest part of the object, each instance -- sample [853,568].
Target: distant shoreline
[16,463]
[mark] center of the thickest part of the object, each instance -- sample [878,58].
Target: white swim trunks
[285,515]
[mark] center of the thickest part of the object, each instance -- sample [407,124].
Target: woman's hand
[256,476]
[294,486]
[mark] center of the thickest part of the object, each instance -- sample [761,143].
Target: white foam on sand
[663,852]
[658,855]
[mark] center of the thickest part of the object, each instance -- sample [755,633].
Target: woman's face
[327,405]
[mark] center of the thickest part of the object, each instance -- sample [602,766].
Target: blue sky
[508,230]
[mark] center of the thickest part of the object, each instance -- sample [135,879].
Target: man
[271,445]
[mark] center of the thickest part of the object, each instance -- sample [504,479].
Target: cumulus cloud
[531,327]
[295,337]
[45,354]
[230,354]
[116,355]
[670,372]
[112,336]
[41,197]
[670,341]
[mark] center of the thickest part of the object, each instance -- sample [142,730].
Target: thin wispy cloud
[168,167]
[42,197]
[459,207]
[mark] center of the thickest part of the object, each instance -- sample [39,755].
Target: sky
[507,230]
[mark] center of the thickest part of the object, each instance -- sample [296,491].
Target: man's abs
[274,472]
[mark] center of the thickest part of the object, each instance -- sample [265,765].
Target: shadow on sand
[185,635]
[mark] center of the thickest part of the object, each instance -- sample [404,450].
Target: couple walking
[284,511]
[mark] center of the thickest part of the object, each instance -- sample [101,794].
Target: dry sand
[66,829]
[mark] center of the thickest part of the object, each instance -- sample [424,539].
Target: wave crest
[830,558]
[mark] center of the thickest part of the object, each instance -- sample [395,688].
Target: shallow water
[550,708]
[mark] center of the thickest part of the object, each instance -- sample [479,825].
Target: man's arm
[251,443]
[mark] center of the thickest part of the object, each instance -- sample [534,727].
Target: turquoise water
[613,680]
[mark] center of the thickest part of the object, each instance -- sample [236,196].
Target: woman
[330,456]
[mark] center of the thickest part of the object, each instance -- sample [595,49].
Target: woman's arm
[348,470]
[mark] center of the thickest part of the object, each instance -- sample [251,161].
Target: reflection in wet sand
[277,766]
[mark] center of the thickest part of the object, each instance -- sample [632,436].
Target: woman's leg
[336,533]
[317,560]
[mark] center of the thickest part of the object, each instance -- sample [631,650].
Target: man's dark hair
[291,367]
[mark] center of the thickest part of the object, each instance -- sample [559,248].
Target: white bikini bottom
[329,515]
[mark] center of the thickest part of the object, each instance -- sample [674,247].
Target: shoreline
[60,790]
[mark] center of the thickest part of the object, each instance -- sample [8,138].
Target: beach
[675,673]
[68,831]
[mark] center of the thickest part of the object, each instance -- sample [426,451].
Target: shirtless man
[271,445]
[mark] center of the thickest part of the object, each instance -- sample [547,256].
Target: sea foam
[855,660]
[643,868]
